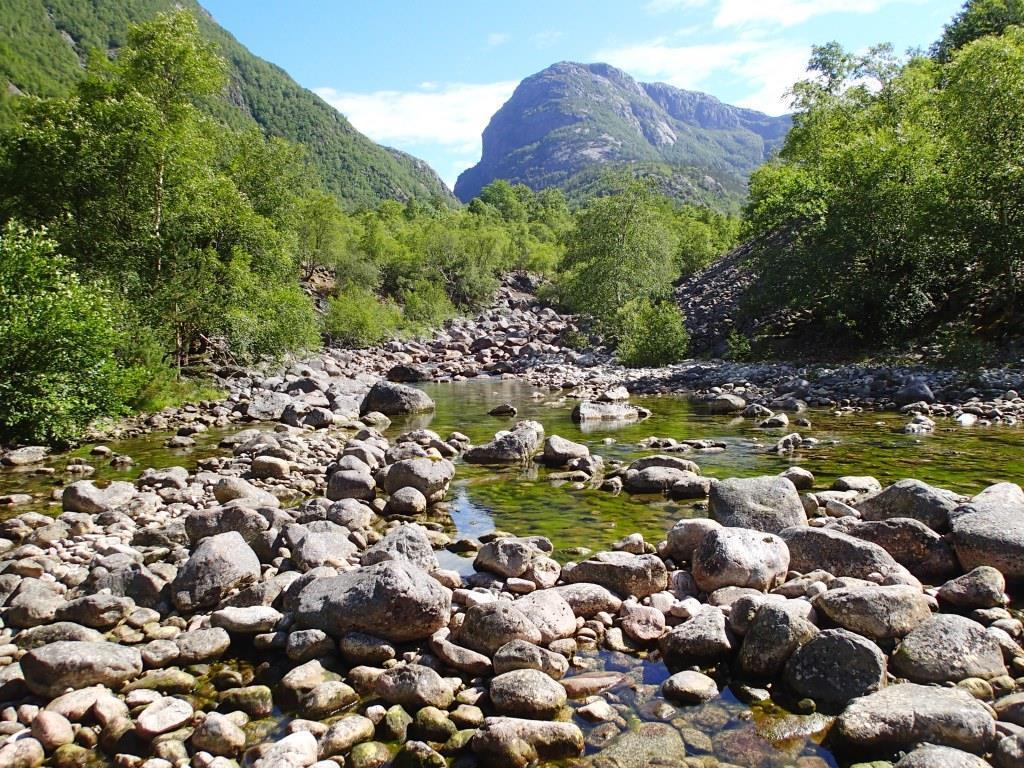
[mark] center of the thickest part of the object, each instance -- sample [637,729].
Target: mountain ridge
[570,116]
[43,45]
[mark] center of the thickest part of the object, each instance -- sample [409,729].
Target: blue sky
[426,76]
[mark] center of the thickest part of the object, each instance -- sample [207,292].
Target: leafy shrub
[356,317]
[737,346]
[652,334]
[426,304]
[58,337]
[962,349]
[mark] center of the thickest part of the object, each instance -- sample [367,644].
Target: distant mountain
[44,44]
[571,118]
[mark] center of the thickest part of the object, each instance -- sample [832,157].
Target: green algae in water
[522,501]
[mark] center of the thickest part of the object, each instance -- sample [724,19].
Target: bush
[426,304]
[652,334]
[57,344]
[357,318]
[737,346]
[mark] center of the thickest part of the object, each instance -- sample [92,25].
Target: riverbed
[578,517]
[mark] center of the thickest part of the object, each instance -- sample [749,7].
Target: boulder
[915,390]
[903,716]
[881,613]
[490,626]
[703,640]
[948,648]
[413,686]
[86,496]
[726,403]
[52,669]
[650,744]
[351,484]
[982,587]
[29,454]
[768,504]
[267,405]
[621,572]
[834,667]
[550,613]
[587,600]
[840,554]
[989,530]
[507,742]
[509,447]
[911,499]
[590,410]
[527,693]
[771,639]
[689,687]
[508,556]
[431,477]
[393,399]
[739,557]
[406,542]
[912,544]
[519,654]
[932,756]
[218,565]
[393,600]
[683,537]
[558,451]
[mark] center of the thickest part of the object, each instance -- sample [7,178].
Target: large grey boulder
[519,654]
[558,451]
[834,667]
[516,446]
[393,600]
[591,410]
[842,555]
[394,399]
[683,537]
[771,639]
[914,499]
[218,565]
[912,544]
[947,649]
[982,587]
[86,496]
[29,454]
[989,530]
[914,390]
[527,693]
[508,556]
[769,504]
[726,403]
[587,600]
[881,613]
[431,477]
[351,484]
[267,405]
[413,686]
[52,669]
[550,613]
[621,572]
[406,542]
[509,742]
[488,627]
[902,716]
[739,557]
[703,640]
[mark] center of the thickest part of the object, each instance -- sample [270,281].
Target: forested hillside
[45,45]
[895,210]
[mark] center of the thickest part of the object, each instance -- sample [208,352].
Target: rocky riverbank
[522,337]
[292,602]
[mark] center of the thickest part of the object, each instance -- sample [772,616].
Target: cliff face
[571,117]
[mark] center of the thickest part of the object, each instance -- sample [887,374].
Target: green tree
[977,19]
[619,250]
[58,338]
[652,334]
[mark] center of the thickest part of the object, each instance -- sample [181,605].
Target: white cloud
[497,38]
[785,13]
[445,118]
[767,67]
